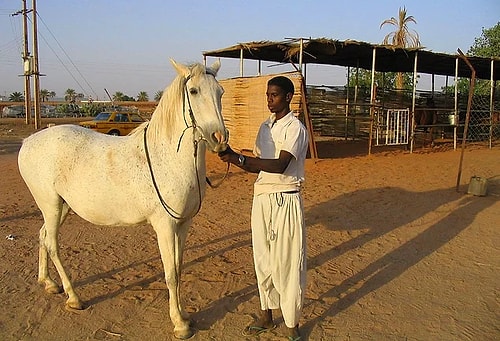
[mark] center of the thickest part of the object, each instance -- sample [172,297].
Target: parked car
[17,111]
[114,122]
[13,111]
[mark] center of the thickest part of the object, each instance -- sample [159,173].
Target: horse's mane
[170,107]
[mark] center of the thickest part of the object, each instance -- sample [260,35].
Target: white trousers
[279,250]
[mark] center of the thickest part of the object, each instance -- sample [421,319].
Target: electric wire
[67,56]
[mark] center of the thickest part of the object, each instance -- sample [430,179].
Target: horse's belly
[109,205]
[108,214]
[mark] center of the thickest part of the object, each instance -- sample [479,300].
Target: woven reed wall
[244,106]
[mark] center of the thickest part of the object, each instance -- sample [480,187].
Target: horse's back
[88,170]
[51,148]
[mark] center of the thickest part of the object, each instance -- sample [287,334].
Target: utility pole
[36,71]
[26,63]
[30,65]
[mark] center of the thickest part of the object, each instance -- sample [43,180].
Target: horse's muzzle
[220,141]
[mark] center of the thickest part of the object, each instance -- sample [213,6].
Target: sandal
[292,338]
[252,330]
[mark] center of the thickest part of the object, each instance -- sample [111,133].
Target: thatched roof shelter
[351,53]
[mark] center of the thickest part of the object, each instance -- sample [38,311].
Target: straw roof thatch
[359,54]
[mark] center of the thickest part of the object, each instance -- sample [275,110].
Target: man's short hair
[283,82]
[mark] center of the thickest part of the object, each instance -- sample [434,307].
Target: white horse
[156,175]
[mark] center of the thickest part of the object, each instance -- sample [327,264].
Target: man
[277,220]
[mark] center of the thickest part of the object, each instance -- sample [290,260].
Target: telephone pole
[36,71]
[26,63]
[30,65]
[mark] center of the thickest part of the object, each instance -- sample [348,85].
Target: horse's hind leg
[43,267]
[54,216]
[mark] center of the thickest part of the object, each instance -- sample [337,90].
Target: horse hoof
[184,333]
[53,289]
[75,305]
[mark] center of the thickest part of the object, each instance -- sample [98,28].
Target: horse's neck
[173,142]
[171,130]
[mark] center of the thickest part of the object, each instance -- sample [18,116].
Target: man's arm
[255,164]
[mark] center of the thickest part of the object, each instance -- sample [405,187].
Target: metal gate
[392,127]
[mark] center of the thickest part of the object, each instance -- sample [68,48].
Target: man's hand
[227,155]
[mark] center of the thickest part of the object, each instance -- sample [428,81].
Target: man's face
[277,99]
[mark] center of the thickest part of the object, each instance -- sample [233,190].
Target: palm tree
[142,96]
[44,94]
[16,97]
[402,37]
[118,96]
[52,94]
[158,95]
[70,95]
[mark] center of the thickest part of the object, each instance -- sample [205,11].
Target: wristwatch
[241,160]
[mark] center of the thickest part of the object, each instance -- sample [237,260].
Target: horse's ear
[215,66]
[182,70]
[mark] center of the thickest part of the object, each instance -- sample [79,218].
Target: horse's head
[203,104]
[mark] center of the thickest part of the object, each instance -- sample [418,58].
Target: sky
[125,45]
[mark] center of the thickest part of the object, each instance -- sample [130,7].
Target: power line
[67,56]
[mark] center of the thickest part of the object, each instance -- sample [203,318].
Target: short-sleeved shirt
[288,134]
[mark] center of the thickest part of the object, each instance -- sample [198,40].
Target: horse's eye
[193,91]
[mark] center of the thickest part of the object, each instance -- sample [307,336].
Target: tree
[142,96]
[16,97]
[118,96]
[121,97]
[158,95]
[486,46]
[70,95]
[401,37]
[44,94]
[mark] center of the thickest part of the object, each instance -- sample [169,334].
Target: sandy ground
[394,253]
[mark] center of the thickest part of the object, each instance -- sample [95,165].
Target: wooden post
[307,119]
[36,71]
[27,66]
[467,115]
[372,101]
[414,92]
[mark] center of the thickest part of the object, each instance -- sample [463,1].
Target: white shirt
[288,134]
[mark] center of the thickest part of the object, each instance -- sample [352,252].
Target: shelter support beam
[492,93]
[241,62]
[415,74]
[372,101]
[455,130]
[308,121]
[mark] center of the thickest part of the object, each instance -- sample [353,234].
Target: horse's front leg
[171,238]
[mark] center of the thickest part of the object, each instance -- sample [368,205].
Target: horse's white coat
[106,179]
